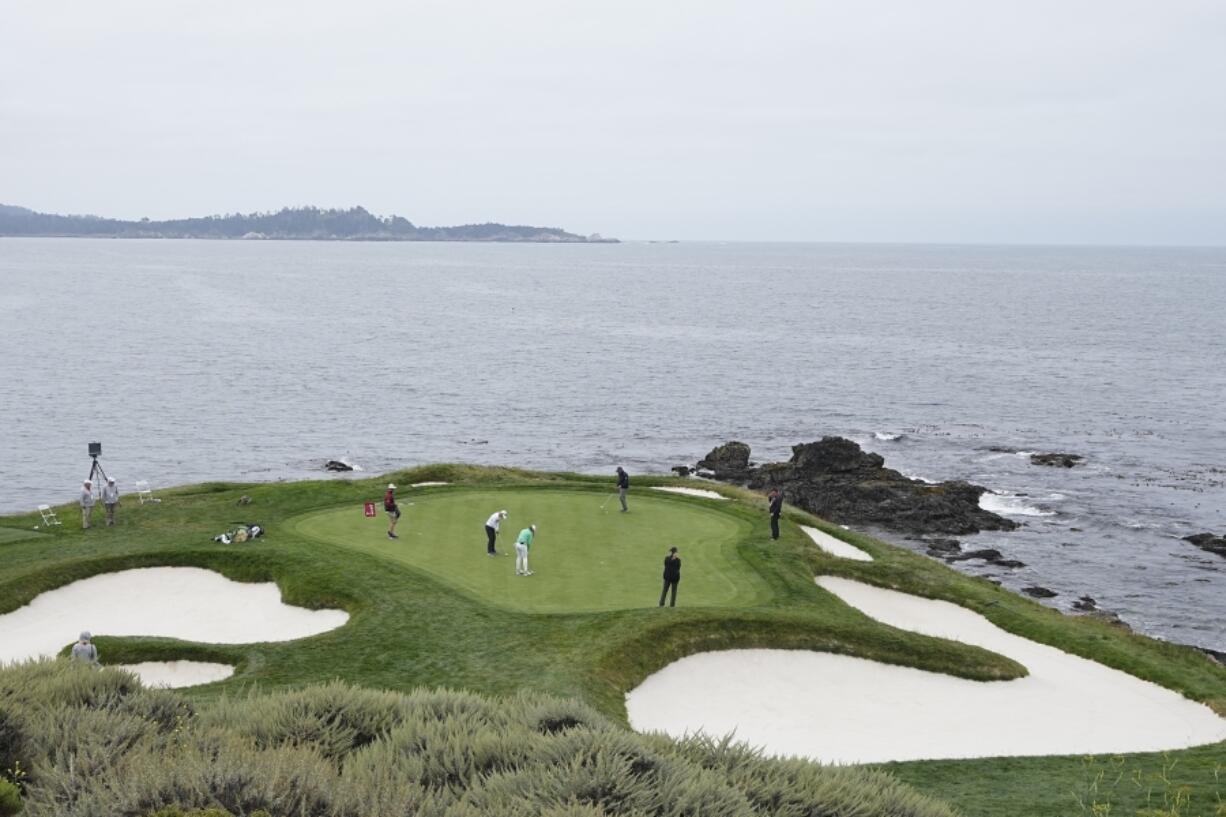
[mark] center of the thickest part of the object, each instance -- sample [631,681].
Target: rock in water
[1209,542]
[1039,592]
[728,462]
[836,480]
[1056,459]
[337,465]
[681,470]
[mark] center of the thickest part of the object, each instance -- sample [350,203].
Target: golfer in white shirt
[491,530]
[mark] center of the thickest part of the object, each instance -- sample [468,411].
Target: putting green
[584,558]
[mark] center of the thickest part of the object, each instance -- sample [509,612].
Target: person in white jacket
[110,498]
[491,531]
[87,502]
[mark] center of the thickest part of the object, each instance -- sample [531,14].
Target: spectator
[672,576]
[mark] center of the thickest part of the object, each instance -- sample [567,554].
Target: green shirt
[525,538]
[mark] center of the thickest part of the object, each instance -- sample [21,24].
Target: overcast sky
[1030,121]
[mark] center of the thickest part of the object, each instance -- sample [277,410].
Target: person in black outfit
[776,498]
[672,576]
[623,485]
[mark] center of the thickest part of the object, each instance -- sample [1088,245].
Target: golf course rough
[585,558]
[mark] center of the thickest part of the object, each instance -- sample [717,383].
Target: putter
[606,501]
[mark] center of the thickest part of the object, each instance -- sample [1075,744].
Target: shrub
[335,719]
[100,745]
[10,799]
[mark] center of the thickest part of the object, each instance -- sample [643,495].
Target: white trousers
[521,558]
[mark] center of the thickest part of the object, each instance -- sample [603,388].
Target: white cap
[532,528]
[85,636]
[391,487]
[110,479]
[87,482]
[503,514]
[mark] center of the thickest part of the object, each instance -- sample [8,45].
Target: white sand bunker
[702,492]
[850,710]
[835,547]
[427,484]
[178,674]
[187,603]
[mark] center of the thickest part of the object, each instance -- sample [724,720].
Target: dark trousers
[667,584]
[493,537]
[774,526]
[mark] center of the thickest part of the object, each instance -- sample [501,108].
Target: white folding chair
[143,493]
[48,515]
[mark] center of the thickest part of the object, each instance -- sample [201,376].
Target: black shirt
[623,479]
[672,568]
[777,505]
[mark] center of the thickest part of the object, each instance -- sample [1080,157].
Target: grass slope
[410,627]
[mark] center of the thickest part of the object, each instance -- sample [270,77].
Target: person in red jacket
[393,511]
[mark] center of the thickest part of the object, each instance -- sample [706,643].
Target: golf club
[606,501]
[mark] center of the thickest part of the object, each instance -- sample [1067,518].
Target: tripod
[95,470]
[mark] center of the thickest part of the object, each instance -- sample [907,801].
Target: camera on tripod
[96,475]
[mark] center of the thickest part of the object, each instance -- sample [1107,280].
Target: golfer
[623,485]
[110,498]
[393,511]
[672,576]
[84,650]
[491,530]
[522,544]
[87,502]
[776,508]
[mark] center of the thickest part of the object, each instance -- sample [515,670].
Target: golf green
[585,557]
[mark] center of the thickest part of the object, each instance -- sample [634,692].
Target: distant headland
[289,223]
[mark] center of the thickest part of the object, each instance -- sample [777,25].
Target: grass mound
[586,558]
[92,742]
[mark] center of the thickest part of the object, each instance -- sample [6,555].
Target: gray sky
[1033,121]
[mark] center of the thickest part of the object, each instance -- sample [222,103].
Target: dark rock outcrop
[836,480]
[681,470]
[942,547]
[1209,542]
[1056,459]
[1037,592]
[728,462]
[1108,617]
[337,465]
[987,554]
[1085,604]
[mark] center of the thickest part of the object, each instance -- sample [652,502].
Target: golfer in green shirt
[521,550]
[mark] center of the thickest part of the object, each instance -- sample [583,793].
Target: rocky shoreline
[836,480]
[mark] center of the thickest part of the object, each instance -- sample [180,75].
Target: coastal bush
[100,745]
[12,745]
[10,799]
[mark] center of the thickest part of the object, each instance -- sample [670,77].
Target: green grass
[584,558]
[15,535]
[429,619]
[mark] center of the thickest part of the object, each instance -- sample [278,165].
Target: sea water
[202,360]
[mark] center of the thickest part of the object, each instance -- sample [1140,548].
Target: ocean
[202,360]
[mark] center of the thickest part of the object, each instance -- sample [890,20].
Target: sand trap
[850,710]
[427,484]
[835,547]
[178,674]
[702,492]
[187,603]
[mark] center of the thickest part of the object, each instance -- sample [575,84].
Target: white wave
[352,464]
[886,437]
[909,475]
[1009,505]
